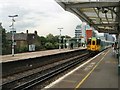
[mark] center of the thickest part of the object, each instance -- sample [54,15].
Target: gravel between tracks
[29,72]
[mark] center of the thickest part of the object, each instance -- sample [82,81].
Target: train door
[98,45]
[89,44]
[93,45]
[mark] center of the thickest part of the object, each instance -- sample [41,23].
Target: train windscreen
[93,42]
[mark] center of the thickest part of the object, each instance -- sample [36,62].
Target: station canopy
[103,15]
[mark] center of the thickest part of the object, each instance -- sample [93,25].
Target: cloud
[41,15]
[13,10]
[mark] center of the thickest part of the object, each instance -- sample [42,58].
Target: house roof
[18,36]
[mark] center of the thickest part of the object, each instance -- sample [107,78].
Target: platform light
[60,39]
[12,26]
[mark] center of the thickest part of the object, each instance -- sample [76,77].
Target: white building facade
[80,33]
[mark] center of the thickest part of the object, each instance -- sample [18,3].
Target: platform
[22,56]
[98,72]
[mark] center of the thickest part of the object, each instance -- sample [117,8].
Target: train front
[93,44]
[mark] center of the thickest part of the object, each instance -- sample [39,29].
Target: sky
[44,16]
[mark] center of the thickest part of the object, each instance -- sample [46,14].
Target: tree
[42,40]
[50,38]
[5,43]
[56,38]
[49,45]
[56,42]
[52,41]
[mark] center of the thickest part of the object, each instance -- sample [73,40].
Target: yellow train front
[96,45]
[93,44]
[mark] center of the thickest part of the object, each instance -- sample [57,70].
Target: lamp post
[85,34]
[60,39]
[64,42]
[77,42]
[12,26]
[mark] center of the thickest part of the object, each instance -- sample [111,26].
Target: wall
[88,34]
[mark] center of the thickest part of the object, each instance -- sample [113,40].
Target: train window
[93,42]
[98,41]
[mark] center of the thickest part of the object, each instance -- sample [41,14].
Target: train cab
[88,44]
[93,44]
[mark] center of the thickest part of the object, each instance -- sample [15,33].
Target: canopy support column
[118,38]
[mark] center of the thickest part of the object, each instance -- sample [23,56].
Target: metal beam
[75,9]
[114,11]
[107,32]
[112,14]
[82,16]
[97,17]
[103,20]
[87,9]
[93,5]
[97,12]
[118,17]
[77,14]
[111,31]
[102,29]
[62,5]
[85,17]
[110,24]
[106,18]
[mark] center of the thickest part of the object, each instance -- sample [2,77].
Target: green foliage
[5,43]
[42,40]
[21,49]
[50,38]
[49,45]
[56,39]
[40,47]
[56,45]
[51,42]
[43,43]
[48,42]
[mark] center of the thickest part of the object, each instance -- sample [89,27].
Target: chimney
[27,31]
[0,24]
[35,32]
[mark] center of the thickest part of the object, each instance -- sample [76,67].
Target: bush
[40,47]
[56,45]
[21,49]
[49,45]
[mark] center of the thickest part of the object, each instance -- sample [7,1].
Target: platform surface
[105,74]
[98,72]
[21,56]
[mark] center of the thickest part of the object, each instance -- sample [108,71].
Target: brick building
[24,40]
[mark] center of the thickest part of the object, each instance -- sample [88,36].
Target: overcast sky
[45,16]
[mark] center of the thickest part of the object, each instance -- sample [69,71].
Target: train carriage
[96,44]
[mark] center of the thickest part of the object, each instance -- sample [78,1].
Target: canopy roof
[102,15]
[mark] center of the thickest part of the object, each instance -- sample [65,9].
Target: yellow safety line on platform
[78,86]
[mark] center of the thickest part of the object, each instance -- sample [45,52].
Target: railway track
[30,81]
[22,66]
[35,65]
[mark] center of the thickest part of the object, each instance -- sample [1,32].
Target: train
[97,45]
